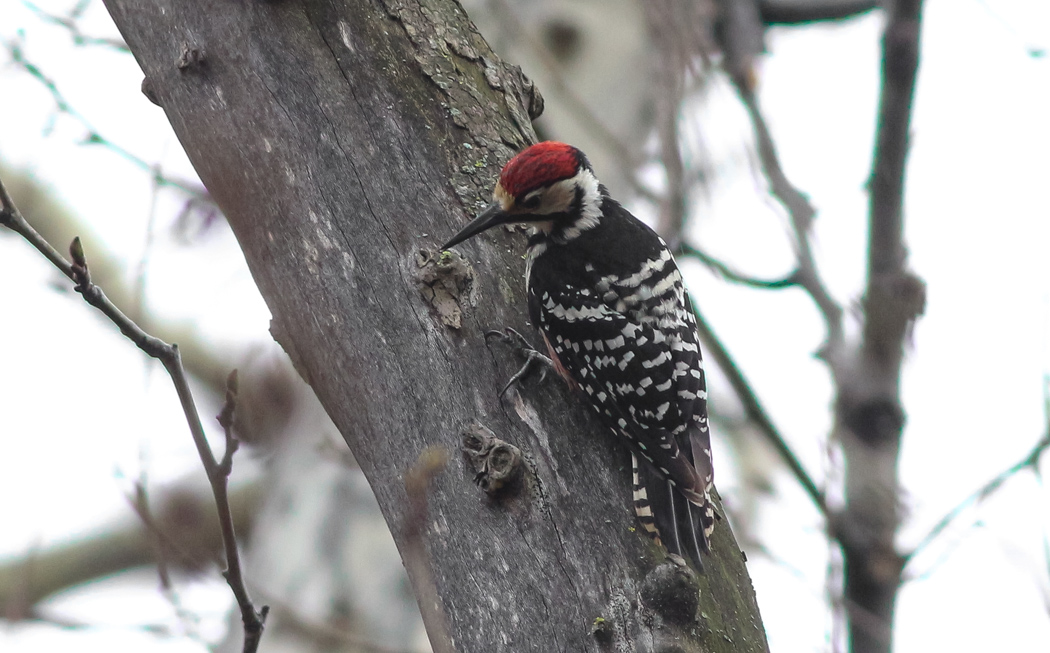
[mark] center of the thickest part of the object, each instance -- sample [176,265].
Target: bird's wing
[644,381]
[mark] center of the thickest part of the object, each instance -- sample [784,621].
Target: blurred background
[107,540]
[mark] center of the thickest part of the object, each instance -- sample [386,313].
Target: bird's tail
[680,525]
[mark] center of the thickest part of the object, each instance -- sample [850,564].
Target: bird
[609,301]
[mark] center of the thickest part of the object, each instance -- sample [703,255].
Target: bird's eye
[530,202]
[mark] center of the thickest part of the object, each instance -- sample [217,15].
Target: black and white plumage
[605,293]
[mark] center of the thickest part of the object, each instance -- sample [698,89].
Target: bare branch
[674,207]
[900,64]
[56,224]
[185,525]
[169,357]
[70,22]
[801,213]
[682,43]
[728,273]
[894,296]
[794,12]
[195,190]
[738,50]
[225,419]
[1030,461]
[899,67]
[757,413]
[739,47]
[219,476]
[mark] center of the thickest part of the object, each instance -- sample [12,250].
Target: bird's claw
[532,356]
[509,336]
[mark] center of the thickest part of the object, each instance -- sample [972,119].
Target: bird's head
[550,185]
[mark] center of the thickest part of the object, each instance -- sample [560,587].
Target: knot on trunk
[892,305]
[497,464]
[672,593]
[445,281]
[189,58]
[876,421]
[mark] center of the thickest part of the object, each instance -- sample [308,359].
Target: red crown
[539,165]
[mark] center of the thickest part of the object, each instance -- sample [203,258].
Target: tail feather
[668,517]
[642,506]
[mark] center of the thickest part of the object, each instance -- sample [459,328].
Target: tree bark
[344,141]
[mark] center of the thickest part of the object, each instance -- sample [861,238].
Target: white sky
[82,412]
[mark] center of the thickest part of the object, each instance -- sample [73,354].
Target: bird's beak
[492,216]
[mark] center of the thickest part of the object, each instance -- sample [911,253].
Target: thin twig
[70,22]
[169,356]
[757,413]
[739,66]
[949,548]
[674,207]
[800,211]
[195,190]
[219,476]
[729,274]
[1030,460]
[680,38]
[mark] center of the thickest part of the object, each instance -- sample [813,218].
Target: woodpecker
[607,297]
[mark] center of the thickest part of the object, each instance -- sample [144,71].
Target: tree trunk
[344,141]
[869,413]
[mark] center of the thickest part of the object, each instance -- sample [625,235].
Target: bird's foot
[532,357]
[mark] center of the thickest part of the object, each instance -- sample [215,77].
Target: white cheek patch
[590,203]
[557,197]
[560,197]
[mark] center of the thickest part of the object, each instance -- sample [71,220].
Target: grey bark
[344,141]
